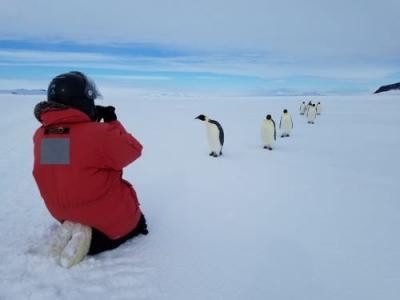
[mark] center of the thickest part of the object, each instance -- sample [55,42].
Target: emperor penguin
[319,108]
[268,132]
[286,123]
[302,108]
[312,114]
[309,104]
[215,135]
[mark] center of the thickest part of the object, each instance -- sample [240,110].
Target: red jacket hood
[65,116]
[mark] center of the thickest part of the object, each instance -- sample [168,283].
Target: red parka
[78,169]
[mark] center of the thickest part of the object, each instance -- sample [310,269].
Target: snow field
[316,218]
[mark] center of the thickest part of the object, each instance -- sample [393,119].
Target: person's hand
[107,113]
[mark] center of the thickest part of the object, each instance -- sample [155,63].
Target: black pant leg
[100,242]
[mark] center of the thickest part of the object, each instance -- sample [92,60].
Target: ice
[316,218]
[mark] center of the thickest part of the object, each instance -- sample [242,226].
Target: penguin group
[215,133]
[311,110]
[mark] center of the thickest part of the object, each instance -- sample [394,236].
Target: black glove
[107,113]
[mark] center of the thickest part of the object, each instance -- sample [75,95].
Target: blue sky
[236,47]
[130,65]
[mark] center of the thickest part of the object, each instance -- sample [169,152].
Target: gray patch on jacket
[54,151]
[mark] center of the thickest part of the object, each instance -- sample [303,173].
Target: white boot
[77,247]
[60,239]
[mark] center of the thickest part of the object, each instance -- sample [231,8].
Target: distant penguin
[302,108]
[309,104]
[286,124]
[312,114]
[268,132]
[319,108]
[215,135]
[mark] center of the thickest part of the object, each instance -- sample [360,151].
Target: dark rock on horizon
[24,92]
[389,87]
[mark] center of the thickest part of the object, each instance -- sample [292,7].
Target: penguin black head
[304,102]
[201,117]
[319,102]
[268,117]
[313,104]
[285,111]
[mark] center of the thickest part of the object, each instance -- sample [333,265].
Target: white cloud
[48,56]
[134,78]
[235,65]
[293,28]
[10,84]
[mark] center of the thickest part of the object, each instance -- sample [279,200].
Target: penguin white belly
[213,138]
[286,125]
[302,109]
[267,134]
[311,115]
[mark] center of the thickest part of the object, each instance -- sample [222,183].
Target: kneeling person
[78,163]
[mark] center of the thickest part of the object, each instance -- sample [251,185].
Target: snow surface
[392,92]
[316,218]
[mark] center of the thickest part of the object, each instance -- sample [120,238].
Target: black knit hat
[75,90]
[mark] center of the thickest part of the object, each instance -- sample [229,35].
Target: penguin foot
[282,136]
[215,155]
[220,153]
[211,153]
[265,147]
[270,148]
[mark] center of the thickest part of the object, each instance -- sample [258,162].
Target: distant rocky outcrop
[389,87]
[24,92]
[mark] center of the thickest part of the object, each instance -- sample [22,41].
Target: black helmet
[75,90]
